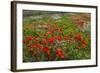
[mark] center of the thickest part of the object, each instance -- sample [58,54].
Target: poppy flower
[44,41]
[51,40]
[59,53]
[59,38]
[83,44]
[36,38]
[38,46]
[78,37]
[29,38]
[46,50]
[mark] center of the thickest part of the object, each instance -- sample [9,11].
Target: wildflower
[51,40]
[36,38]
[46,50]
[44,41]
[59,38]
[78,37]
[29,38]
[38,46]
[59,53]
[82,44]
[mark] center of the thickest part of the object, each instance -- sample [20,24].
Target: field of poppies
[56,36]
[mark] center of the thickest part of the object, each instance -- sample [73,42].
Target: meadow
[56,36]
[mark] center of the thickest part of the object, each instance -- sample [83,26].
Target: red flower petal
[51,39]
[44,41]
[46,50]
[59,38]
[78,37]
[29,38]
[36,38]
[59,53]
[38,46]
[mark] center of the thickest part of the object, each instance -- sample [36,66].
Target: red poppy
[46,50]
[59,38]
[29,38]
[44,41]
[51,40]
[83,44]
[38,46]
[78,37]
[59,53]
[36,38]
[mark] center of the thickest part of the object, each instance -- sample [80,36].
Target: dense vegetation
[49,36]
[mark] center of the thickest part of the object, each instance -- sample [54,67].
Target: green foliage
[69,28]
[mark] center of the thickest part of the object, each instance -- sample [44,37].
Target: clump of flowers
[49,46]
[82,43]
